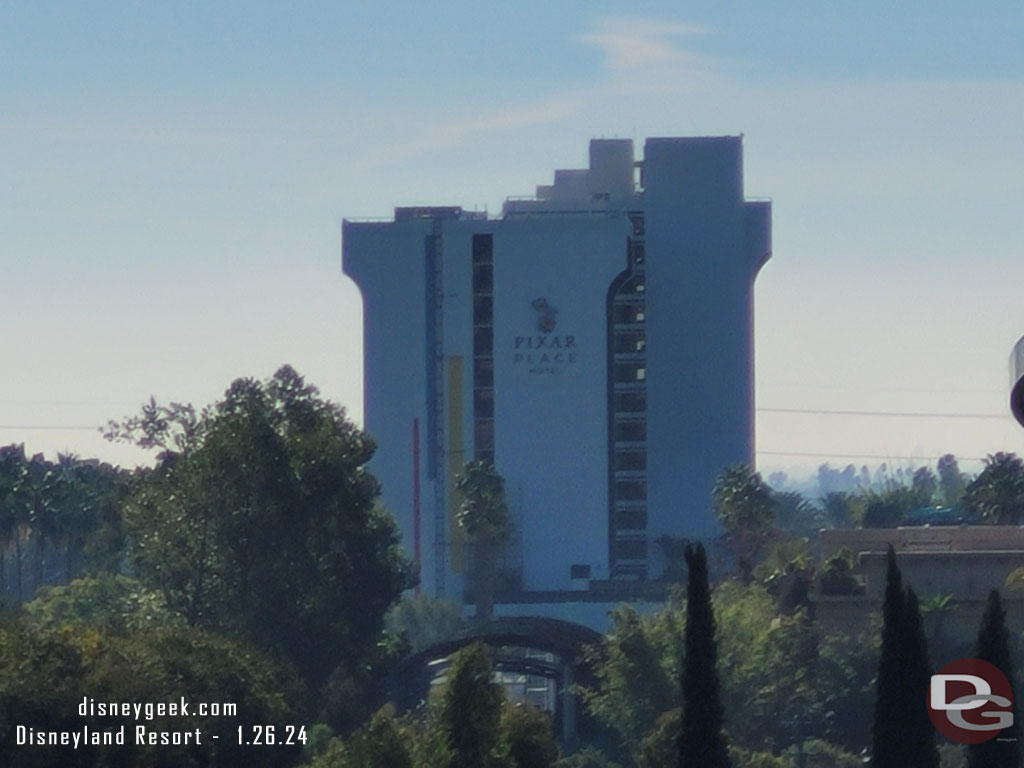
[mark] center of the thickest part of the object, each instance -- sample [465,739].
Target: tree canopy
[261,520]
[997,494]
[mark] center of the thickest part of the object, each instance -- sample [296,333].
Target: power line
[864,456]
[55,427]
[901,414]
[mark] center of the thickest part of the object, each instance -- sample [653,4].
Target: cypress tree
[919,737]
[903,735]
[887,737]
[701,743]
[994,647]
[471,709]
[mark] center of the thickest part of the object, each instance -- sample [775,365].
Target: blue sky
[174,176]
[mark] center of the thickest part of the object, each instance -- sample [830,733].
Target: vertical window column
[483,348]
[627,383]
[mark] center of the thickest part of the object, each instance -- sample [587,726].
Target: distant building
[963,563]
[594,343]
[1017,381]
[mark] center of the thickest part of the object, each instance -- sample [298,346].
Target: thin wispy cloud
[647,55]
[633,43]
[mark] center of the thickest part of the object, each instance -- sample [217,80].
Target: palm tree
[483,515]
[997,494]
[934,610]
[745,507]
[14,508]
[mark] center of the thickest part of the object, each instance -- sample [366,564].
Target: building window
[630,402]
[628,314]
[483,341]
[629,343]
[483,348]
[579,571]
[483,403]
[631,461]
[630,431]
[631,490]
[483,372]
[630,372]
[627,378]
[631,549]
[483,278]
[483,310]
[631,519]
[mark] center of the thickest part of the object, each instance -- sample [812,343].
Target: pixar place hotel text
[140,730]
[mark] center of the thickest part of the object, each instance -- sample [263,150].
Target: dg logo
[970,701]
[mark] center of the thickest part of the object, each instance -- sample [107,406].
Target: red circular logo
[970,701]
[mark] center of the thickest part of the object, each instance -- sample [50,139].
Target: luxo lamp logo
[547,315]
[970,701]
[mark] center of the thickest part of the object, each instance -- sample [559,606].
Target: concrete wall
[924,538]
[704,247]
[551,431]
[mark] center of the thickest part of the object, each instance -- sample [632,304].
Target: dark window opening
[630,431]
[483,248]
[483,341]
[579,571]
[483,310]
[631,461]
[630,519]
[630,343]
[631,549]
[634,285]
[631,490]
[483,278]
[630,402]
[630,372]
[483,403]
[483,372]
[628,313]
[483,435]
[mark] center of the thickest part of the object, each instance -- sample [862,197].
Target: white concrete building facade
[594,343]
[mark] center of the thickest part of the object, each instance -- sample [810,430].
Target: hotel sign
[544,353]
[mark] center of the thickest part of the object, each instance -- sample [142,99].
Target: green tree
[483,515]
[951,481]
[994,647]
[11,517]
[837,574]
[746,509]
[997,494]
[45,673]
[109,601]
[841,509]
[637,668]
[701,741]
[60,516]
[888,507]
[470,711]
[660,745]
[935,609]
[742,500]
[903,735]
[422,621]
[920,734]
[381,743]
[588,757]
[796,514]
[925,484]
[527,731]
[260,520]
